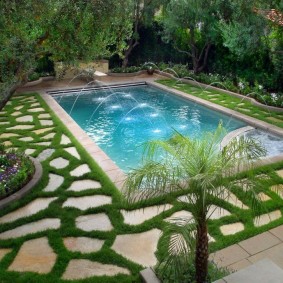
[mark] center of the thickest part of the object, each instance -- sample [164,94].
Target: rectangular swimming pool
[120,120]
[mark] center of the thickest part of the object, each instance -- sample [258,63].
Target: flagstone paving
[143,253]
[91,222]
[83,268]
[33,227]
[32,208]
[83,244]
[84,203]
[54,219]
[34,256]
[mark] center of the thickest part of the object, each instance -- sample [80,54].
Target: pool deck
[115,174]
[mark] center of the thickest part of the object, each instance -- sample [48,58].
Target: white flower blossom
[274,96]
[260,87]
[241,85]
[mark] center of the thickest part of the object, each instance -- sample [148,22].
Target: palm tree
[200,168]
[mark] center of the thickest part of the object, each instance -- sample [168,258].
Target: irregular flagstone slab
[43,143]
[4,123]
[7,143]
[263,197]
[21,127]
[231,198]
[44,115]
[3,252]
[65,140]
[49,136]
[29,151]
[73,151]
[83,185]
[87,202]
[138,216]
[278,189]
[32,208]
[34,227]
[26,139]
[216,212]
[35,110]
[80,171]
[27,118]
[8,135]
[231,229]
[19,107]
[92,222]
[83,244]
[182,215]
[84,268]
[41,131]
[46,122]
[55,181]
[35,104]
[280,173]
[59,163]
[45,154]
[34,256]
[16,113]
[139,248]
[267,218]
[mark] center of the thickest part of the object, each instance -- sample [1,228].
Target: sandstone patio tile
[83,244]
[29,151]
[278,232]
[182,214]
[26,139]
[80,170]
[267,218]
[7,143]
[216,212]
[49,136]
[231,229]
[280,173]
[30,228]
[55,181]
[34,256]
[233,199]
[229,255]
[259,243]
[278,189]
[36,110]
[19,107]
[30,209]
[141,253]
[138,216]
[3,252]
[21,127]
[83,268]
[16,113]
[64,140]
[263,197]
[41,131]
[87,202]
[43,143]
[73,151]
[27,118]
[8,135]
[35,104]
[46,122]
[45,154]
[92,222]
[275,254]
[82,185]
[59,163]
[4,123]
[44,116]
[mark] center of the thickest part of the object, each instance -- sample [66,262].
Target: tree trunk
[201,259]
[132,45]
[6,94]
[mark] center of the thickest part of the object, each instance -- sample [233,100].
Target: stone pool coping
[114,173]
[24,190]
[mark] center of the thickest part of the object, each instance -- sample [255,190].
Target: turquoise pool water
[120,120]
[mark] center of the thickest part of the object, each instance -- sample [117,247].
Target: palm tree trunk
[201,259]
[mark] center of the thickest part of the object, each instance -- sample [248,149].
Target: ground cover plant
[27,123]
[228,101]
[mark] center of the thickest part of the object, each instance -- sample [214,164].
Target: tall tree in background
[68,30]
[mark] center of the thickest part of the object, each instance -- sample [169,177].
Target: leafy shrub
[131,69]
[33,77]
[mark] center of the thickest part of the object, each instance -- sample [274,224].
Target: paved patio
[92,201]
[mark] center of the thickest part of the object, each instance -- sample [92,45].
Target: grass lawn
[34,107]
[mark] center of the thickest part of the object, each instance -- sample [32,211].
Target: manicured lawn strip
[68,215]
[228,101]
